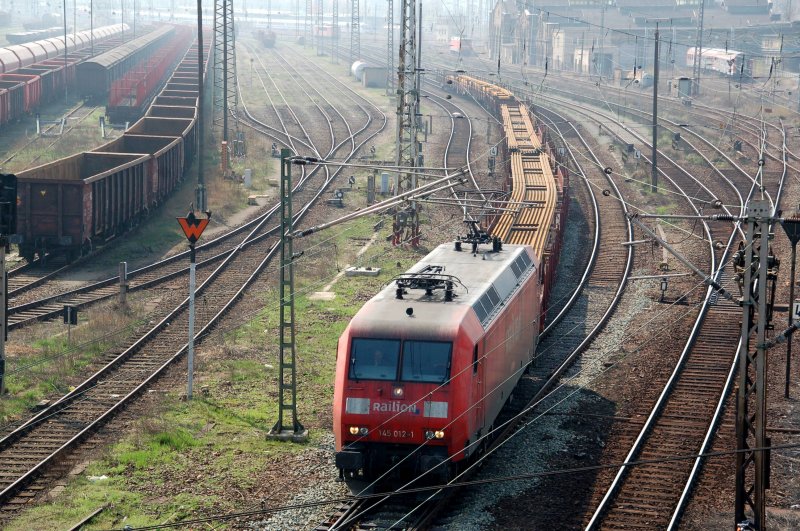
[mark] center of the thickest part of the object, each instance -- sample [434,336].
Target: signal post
[193,228]
[8,226]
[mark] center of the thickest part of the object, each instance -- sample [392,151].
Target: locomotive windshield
[374,359]
[426,361]
[378,359]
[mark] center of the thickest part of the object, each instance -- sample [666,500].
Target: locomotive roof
[484,281]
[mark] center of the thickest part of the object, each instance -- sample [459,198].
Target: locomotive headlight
[397,392]
[429,434]
[353,430]
[439,434]
[363,431]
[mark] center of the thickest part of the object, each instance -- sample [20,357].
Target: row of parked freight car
[21,37]
[22,55]
[36,72]
[96,75]
[77,202]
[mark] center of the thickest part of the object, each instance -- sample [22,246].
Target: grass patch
[186,459]
[46,359]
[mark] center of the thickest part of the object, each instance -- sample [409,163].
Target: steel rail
[694,474]
[95,379]
[666,392]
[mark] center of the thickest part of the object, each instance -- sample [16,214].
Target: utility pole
[320,20]
[66,97]
[602,40]
[287,368]
[698,51]
[654,156]
[355,32]
[756,270]
[390,48]
[8,226]
[307,29]
[335,31]
[792,227]
[407,146]
[200,191]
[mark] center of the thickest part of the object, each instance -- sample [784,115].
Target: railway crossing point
[193,228]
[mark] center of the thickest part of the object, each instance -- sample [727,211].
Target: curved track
[53,433]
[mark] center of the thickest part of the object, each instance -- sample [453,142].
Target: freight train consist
[74,203]
[425,367]
[97,75]
[36,72]
[131,94]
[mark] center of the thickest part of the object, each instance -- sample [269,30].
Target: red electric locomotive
[424,368]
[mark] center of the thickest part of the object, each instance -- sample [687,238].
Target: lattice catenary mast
[355,32]
[407,144]
[390,48]
[698,50]
[226,96]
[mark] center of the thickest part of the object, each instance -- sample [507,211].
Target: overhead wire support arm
[418,193]
[707,280]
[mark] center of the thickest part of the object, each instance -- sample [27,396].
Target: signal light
[8,204]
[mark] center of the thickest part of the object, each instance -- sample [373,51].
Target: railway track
[682,421]
[39,443]
[699,375]
[26,309]
[533,386]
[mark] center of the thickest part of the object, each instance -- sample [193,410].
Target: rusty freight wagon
[73,203]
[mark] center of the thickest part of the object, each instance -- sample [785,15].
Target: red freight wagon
[32,88]
[51,79]
[175,127]
[16,99]
[73,202]
[5,106]
[164,169]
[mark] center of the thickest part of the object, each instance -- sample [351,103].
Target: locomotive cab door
[478,393]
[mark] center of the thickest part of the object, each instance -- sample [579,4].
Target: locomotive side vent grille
[502,288]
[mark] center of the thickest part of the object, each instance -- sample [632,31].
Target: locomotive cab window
[426,361]
[374,359]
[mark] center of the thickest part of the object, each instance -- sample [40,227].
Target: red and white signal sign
[193,226]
